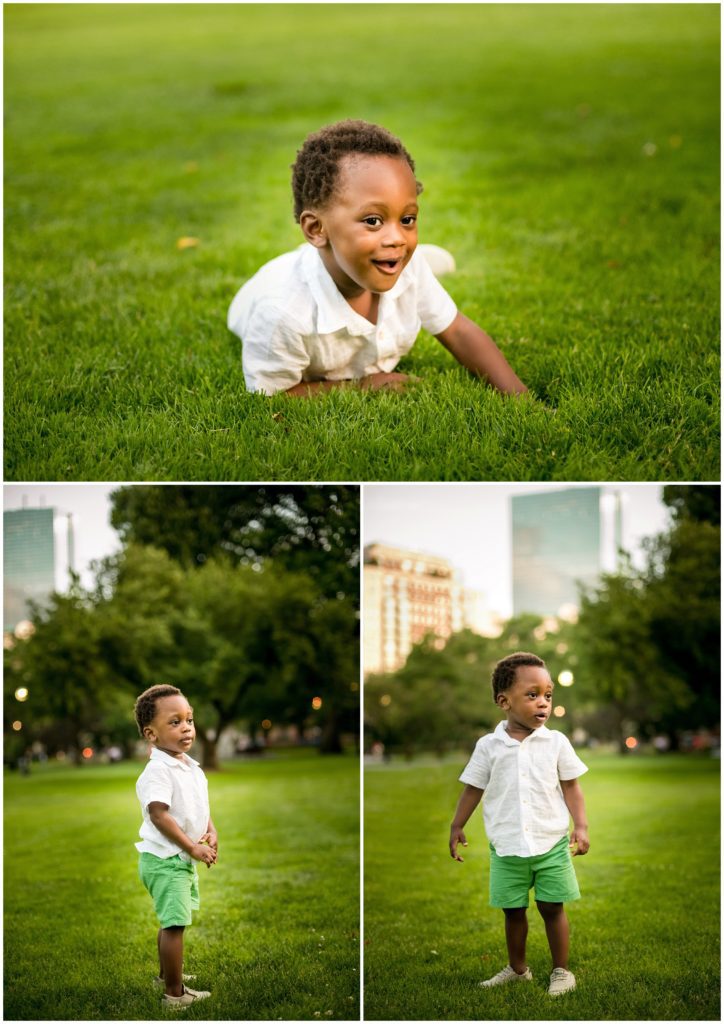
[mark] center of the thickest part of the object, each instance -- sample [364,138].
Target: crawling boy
[176,831]
[529,774]
[348,304]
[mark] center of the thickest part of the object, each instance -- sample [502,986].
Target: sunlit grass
[570,162]
[644,936]
[277,935]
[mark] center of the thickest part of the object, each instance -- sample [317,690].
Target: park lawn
[570,156]
[277,935]
[644,936]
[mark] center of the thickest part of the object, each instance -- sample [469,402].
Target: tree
[683,588]
[69,681]
[304,527]
[628,684]
[245,643]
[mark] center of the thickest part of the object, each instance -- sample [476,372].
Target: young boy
[177,830]
[348,304]
[530,778]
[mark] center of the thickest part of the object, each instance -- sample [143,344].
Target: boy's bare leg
[171,955]
[516,933]
[556,923]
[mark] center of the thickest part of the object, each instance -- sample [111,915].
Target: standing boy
[176,831]
[530,778]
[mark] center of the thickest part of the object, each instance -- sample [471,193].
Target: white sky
[469,524]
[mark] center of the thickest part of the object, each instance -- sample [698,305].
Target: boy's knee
[549,910]
[515,912]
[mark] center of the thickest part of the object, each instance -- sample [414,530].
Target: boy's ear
[313,228]
[149,734]
[501,700]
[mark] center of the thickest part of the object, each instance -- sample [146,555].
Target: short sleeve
[570,766]
[155,786]
[477,770]
[435,307]
[273,353]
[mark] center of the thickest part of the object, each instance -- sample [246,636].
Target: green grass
[277,935]
[570,161]
[644,936]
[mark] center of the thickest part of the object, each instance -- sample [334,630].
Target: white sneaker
[506,975]
[439,260]
[181,1002]
[561,981]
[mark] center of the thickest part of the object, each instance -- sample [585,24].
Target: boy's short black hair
[316,169]
[145,707]
[504,671]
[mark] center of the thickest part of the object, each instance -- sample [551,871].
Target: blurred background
[244,597]
[616,587]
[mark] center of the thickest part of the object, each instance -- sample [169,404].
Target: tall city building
[557,544]
[408,595]
[29,561]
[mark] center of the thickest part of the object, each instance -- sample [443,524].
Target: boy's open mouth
[541,716]
[388,266]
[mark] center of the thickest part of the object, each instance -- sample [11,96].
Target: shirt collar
[502,733]
[185,762]
[333,311]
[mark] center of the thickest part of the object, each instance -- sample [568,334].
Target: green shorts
[552,874]
[174,887]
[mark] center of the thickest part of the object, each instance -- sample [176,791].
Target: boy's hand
[204,852]
[456,836]
[387,381]
[212,839]
[579,839]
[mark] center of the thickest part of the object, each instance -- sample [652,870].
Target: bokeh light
[316,703]
[17,726]
[565,678]
[266,724]
[385,700]
[87,753]
[631,742]
[559,711]
[21,693]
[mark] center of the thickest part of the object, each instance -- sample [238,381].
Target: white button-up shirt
[181,784]
[296,325]
[523,807]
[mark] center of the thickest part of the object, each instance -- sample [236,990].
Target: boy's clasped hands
[206,849]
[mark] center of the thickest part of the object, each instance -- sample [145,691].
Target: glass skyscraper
[556,544]
[29,561]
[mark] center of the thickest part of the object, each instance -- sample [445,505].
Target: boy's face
[172,728]
[367,232]
[529,700]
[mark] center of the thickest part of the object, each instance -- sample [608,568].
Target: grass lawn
[277,935]
[644,936]
[570,156]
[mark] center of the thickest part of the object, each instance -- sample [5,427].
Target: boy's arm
[469,800]
[167,826]
[373,382]
[472,347]
[573,796]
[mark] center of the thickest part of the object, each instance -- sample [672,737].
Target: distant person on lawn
[529,775]
[349,303]
[177,830]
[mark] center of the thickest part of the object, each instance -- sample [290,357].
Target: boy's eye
[409,220]
[373,222]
